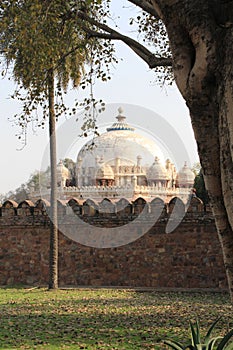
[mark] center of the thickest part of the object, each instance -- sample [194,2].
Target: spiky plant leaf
[195,333]
[208,334]
[226,338]
[174,344]
[229,347]
[200,347]
[211,343]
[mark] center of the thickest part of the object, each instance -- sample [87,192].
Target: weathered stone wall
[189,257]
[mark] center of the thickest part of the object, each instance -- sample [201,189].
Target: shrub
[209,343]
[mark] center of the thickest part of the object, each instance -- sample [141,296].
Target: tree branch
[145,6]
[111,34]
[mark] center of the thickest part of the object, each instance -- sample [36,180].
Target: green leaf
[225,340]
[200,347]
[195,334]
[207,337]
[211,343]
[174,344]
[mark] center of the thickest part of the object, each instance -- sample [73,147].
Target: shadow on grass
[102,320]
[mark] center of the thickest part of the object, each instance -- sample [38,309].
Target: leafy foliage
[200,188]
[18,195]
[37,39]
[152,33]
[72,38]
[37,36]
[34,183]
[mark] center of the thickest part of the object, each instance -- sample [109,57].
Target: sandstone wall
[189,257]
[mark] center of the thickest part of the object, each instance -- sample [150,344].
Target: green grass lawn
[104,318]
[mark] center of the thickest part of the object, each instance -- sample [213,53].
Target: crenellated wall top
[92,207]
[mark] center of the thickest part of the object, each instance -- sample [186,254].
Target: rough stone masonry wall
[189,257]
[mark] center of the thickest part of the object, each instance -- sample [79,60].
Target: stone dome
[105,172]
[120,141]
[157,171]
[63,174]
[62,170]
[185,177]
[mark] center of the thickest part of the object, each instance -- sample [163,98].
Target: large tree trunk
[201,41]
[53,253]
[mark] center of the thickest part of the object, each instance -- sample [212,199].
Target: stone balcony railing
[116,192]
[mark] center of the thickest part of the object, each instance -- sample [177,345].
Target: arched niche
[42,207]
[195,205]
[178,204]
[90,208]
[123,207]
[106,206]
[158,207]
[25,208]
[76,205]
[139,204]
[9,208]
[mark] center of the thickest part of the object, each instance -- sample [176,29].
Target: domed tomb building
[122,163]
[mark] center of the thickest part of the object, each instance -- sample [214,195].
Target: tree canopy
[37,36]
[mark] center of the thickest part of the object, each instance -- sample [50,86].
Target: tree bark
[201,40]
[53,253]
[202,50]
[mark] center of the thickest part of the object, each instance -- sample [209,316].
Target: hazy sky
[132,84]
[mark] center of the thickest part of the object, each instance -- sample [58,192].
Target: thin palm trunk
[53,253]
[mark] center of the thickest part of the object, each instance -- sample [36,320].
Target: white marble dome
[120,141]
[121,163]
[157,171]
[105,172]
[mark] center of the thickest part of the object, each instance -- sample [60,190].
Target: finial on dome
[120,117]
[120,124]
[120,110]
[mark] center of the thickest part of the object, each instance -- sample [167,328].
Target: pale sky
[132,85]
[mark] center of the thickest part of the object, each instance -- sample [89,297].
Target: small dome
[63,171]
[157,171]
[185,177]
[105,172]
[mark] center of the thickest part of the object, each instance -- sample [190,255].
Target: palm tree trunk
[53,253]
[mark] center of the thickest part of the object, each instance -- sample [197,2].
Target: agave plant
[209,343]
